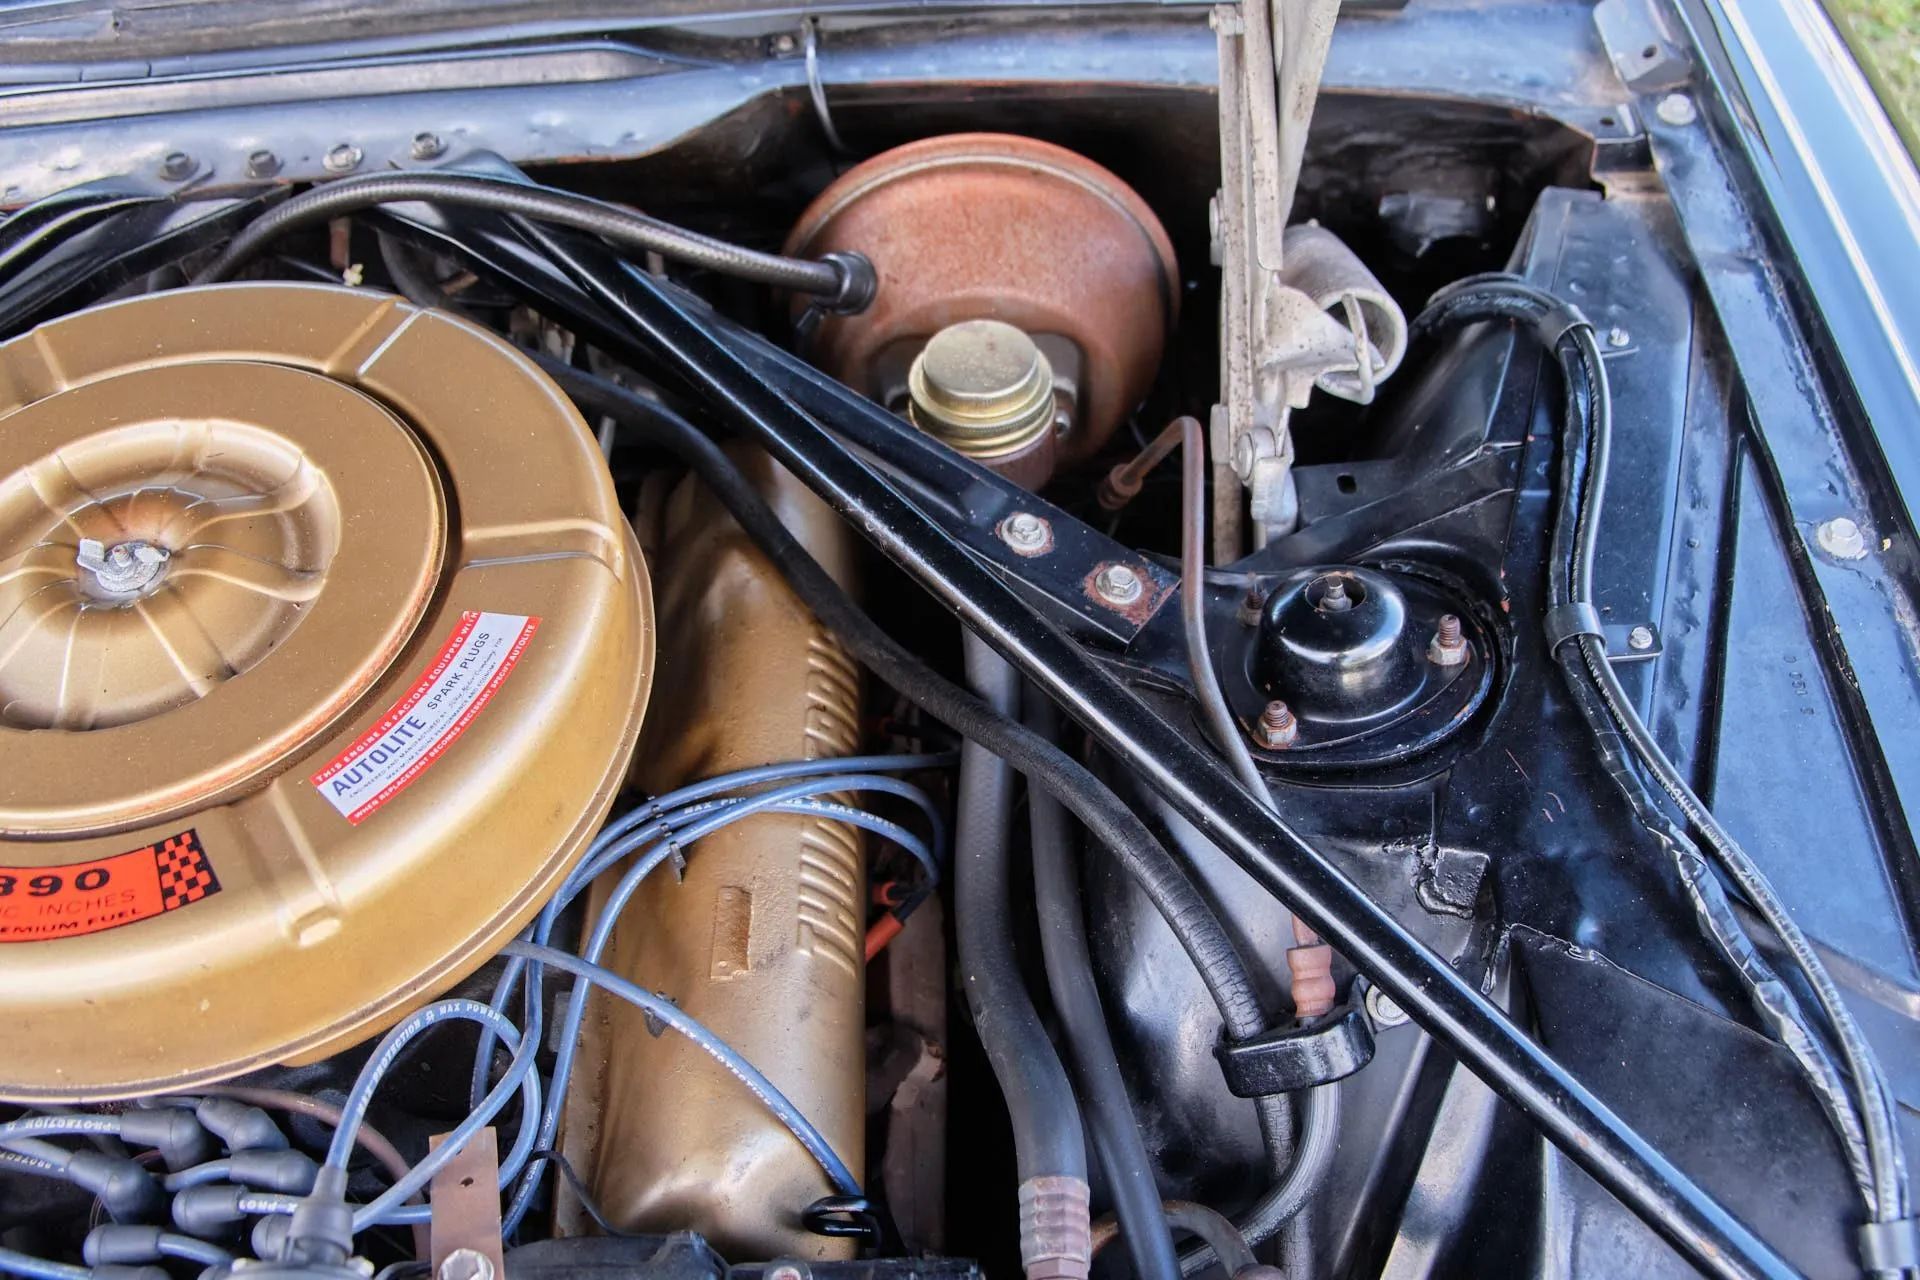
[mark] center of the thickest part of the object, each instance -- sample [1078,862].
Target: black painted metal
[78,246]
[1195,783]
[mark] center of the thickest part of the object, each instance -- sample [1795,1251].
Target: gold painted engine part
[762,938]
[238,527]
[979,226]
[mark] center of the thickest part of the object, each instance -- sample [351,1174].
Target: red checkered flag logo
[185,874]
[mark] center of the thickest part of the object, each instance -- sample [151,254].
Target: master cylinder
[761,938]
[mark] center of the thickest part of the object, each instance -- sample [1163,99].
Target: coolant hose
[1069,964]
[1056,1241]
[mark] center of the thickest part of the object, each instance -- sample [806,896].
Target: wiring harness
[229,1164]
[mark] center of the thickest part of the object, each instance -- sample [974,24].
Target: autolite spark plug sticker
[38,904]
[418,729]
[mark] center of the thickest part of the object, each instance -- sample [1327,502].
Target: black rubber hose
[1117,827]
[1864,1120]
[1069,965]
[1047,1136]
[844,282]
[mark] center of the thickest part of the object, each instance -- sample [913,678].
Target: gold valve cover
[323,649]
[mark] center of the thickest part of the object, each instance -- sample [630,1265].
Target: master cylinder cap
[323,648]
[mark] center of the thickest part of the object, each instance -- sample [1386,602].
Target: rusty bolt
[1449,647]
[1252,605]
[1277,728]
[1118,585]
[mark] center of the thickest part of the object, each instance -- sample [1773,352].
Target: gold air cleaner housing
[323,649]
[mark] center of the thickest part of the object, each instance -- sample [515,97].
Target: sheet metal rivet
[1842,538]
[1118,584]
[1640,639]
[426,146]
[262,164]
[1384,1009]
[1677,110]
[1277,728]
[344,158]
[1026,533]
[177,165]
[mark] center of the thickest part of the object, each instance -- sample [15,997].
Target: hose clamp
[1329,1049]
[1564,622]
[1890,1246]
[1557,322]
[843,1218]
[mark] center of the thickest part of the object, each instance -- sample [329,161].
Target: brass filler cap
[323,648]
[984,387]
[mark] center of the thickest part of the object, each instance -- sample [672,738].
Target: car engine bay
[1131,640]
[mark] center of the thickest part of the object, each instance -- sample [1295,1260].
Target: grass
[1885,35]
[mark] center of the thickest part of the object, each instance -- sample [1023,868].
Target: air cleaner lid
[323,645]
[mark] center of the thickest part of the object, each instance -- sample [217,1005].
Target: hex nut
[1449,647]
[1277,728]
[176,166]
[425,146]
[262,164]
[1640,639]
[344,158]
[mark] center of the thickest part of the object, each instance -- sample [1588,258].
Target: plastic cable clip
[1890,1246]
[1566,621]
[1329,1049]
